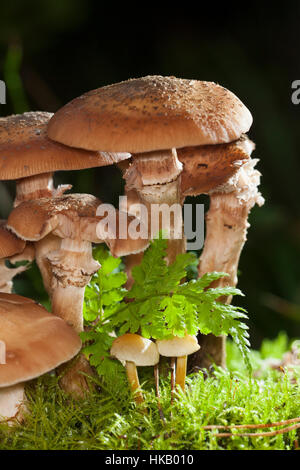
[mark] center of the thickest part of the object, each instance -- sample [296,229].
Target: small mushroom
[35,341]
[135,351]
[179,347]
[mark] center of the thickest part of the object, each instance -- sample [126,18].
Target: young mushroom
[135,351]
[73,218]
[35,343]
[179,347]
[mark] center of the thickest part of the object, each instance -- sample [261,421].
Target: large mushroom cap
[151,113]
[25,149]
[36,341]
[134,348]
[177,346]
[10,245]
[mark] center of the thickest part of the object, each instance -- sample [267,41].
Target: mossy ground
[109,419]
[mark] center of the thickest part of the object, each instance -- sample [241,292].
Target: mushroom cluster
[186,137]
[171,138]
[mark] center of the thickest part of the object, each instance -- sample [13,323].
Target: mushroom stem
[133,380]
[154,177]
[42,248]
[62,298]
[165,213]
[11,401]
[156,377]
[173,373]
[226,234]
[181,371]
[153,180]
[34,187]
[72,267]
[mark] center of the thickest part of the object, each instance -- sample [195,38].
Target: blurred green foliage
[73,46]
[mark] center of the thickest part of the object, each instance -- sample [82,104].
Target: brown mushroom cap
[206,167]
[69,216]
[25,149]
[36,341]
[34,219]
[151,113]
[10,245]
[134,348]
[177,346]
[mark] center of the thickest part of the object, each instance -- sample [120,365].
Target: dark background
[53,51]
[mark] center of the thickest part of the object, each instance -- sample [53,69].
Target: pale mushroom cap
[25,149]
[177,346]
[10,245]
[134,348]
[151,113]
[36,341]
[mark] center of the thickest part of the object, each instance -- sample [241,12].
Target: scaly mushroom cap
[177,346]
[151,113]
[209,166]
[10,245]
[34,219]
[134,348]
[25,149]
[36,341]
[71,216]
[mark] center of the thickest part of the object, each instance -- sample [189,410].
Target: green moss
[109,419]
